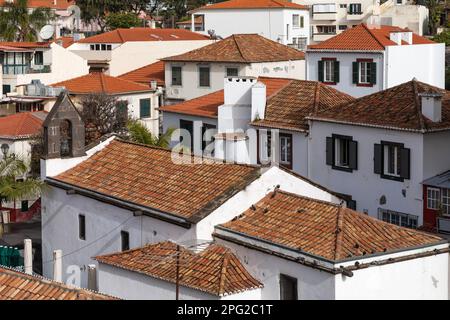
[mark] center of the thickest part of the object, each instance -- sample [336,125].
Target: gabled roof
[148,177]
[397,108]
[15,285]
[144,75]
[366,38]
[252,4]
[241,48]
[215,270]
[322,229]
[52,4]
[143,34]
[98,82]
[288,108]
[208,105]
[21,125]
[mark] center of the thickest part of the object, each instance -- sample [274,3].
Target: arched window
[65,130]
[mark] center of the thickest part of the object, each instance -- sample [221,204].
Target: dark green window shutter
[353,154]
[320,69]
[144,108]
[405,163]
[355,72]
[377,158]
[373,73]
[329,151]
[336,71]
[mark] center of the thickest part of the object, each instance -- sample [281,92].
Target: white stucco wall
[275,24]
[20,147]
[136,286]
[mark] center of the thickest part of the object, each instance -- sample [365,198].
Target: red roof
[53,4]
[100,83]
[143,34]
[207,105]
[25,45]
[253,4]
[367,38]
[64,41]
[144,75]
[21,125]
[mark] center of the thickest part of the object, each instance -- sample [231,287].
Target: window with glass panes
[203,76]
[364,72]
[328,68]
[286,150]
[398,218]
[433,197]
[446,201]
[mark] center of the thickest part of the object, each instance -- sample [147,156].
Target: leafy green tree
[444,37]
[18,24]
[12,188]
[122,20]
[139,133]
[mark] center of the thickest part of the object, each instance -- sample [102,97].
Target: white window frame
[433,198]
[398,218]
[445,201]
[338,151]
[364,72]
[296,21]
[285,149]
[386,160]
[328,70]
[200,67]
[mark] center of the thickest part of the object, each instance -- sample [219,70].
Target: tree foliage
[139,133]
[444,37]
[122,20]
[18,24]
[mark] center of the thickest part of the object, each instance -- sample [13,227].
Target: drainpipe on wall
[57,265]
[28,256]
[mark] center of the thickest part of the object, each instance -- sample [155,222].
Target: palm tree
[12,188]
[140,134]
[19,24]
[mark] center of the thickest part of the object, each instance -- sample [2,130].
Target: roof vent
[432,106]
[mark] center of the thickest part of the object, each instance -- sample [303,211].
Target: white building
[379,149]
[23,62]
[318,250]
[329,18]
[199,72]
[281,21]
[112,51]
[206,272]
[368,58]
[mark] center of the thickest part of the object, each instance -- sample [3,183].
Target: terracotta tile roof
[252,4]
[15,285]
[59,5]
[288,108]
[365,37]
[64,41]
[197,19]
[397,108]
[148,177]
[99,82]
[21,125]
[143,34]
[215,269]
[144,75]
[207,105]
[323,229]
[25,45]
[241,48]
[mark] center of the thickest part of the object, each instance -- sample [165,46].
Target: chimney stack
[407,36]
[57,265]
[28,256]
[258,101]
[396,37]
[432,106]
[237,90]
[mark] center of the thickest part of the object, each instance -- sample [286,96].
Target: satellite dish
[47,32]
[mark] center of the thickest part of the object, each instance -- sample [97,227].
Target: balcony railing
[23,69]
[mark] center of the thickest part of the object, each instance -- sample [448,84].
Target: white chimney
[396,37]
[92,277]
[57,265]
[407,36]
[153,84]
[432,106]
[237,90]
[28,256]
[258,101]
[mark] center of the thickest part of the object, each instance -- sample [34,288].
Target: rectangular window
[232,72]
[103,47]
[288,288]
[342,152]
[81,227]
[364,72]
[342,27]
[446,201]
[324,8]
[145,108]
[204,76]
[295,21]
[176,76]
[342,6]
[208,136]
[433,198]
[6,88]
[24,205]
[355,8]
[392,161]
[108,47]
[92,46]
[189,126]
[125,240]
[299,43]
[398,218]
[39,58]
[286,150]
[97,47]
[326,29]
[328,71]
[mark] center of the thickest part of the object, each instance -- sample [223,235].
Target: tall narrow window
[286,150]
[125,240]
[328,70]
[204,76]
[144,108]
[189,126]
[38,58]
[296,21]
[364,72]
[81,227]
[342,152]
[446,201]
[392,161]
[433,198]
[288,288]
[176,76]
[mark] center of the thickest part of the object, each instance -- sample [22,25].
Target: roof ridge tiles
[372,35]
[417,104]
